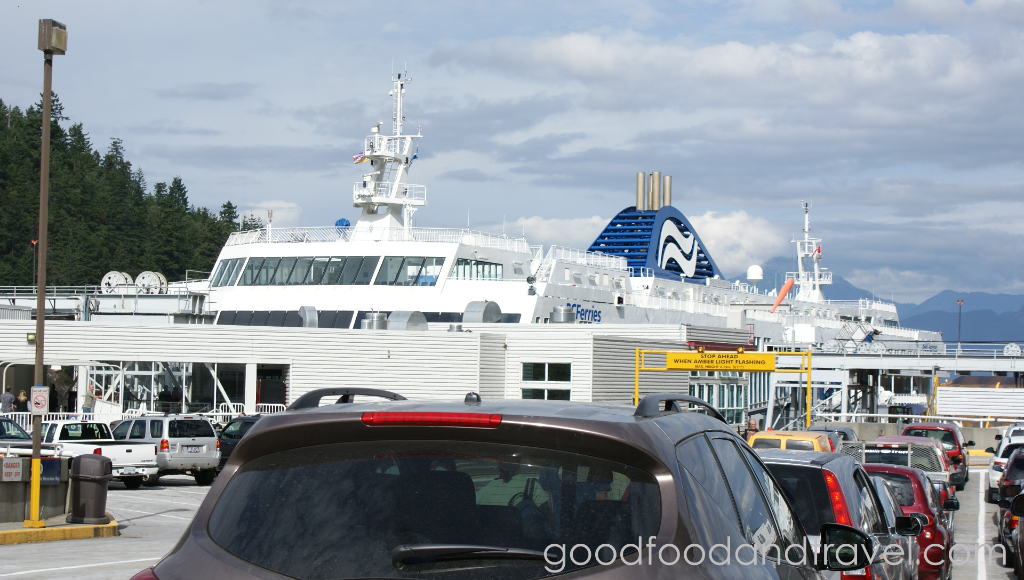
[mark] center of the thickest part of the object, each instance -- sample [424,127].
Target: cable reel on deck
[115,282]
[151,283]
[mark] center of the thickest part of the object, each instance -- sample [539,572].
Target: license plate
[129,469]
[193,448]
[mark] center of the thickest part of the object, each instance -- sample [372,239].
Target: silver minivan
[186,444]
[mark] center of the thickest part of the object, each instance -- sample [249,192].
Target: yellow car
[792,440]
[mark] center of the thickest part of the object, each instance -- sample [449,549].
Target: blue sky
[900,121]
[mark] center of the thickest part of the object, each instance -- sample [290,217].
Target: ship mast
[809,283]
[386,199]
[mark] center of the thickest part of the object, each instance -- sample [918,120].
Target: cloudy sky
[901,121]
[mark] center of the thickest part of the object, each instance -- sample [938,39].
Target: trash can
[90,475]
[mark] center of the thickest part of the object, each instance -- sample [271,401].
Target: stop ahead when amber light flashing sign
[721,361]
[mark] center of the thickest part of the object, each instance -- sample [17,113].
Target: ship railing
[641,272]
[646,299]
[585,258]
[765,316]
[809,277]
[345,234]
[361,192]
[53,290]
[863,304]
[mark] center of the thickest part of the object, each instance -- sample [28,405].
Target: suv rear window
[947,438]
[360,501]
[800,445]
[887,455]
[806,491]
[763,443]
[189,428]
[901,486]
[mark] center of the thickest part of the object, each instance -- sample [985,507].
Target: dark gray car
[498,490]
[832,487]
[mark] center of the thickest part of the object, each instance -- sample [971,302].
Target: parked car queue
[521,489]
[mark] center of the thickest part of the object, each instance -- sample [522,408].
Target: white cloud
[286,213]
[576,233]
[737,240]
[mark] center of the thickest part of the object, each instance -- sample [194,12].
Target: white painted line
[23,572]
[982,489]
[152,514]
[150,499]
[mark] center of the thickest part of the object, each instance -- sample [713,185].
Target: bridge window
[409,271]
[249,273]
[284,269]
[266,273]
[227,272]
[476,270]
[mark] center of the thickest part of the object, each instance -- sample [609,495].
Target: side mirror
[998,437]
[998,467]
[844,548]
[921,518]
[908,526]
[970,444]
[1017,506]
[956,460]
[1004,504]
[956,479]
[951,505]
[990,450]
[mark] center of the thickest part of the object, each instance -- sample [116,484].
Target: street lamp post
[53,39]
[959,316]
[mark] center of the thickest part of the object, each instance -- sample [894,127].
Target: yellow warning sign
[721,361]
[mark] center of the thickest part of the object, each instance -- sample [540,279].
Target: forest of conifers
[102,215]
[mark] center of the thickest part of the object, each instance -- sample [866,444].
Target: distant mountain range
[986,317]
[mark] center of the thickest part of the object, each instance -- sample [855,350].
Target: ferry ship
[648,266]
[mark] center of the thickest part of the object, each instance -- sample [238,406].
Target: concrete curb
[76,532]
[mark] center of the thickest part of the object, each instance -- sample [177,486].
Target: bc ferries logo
[680,248]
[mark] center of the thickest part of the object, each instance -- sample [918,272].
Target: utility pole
[53,39]
[959,316]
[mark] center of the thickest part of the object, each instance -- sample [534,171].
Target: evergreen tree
[101,216]
[252,222]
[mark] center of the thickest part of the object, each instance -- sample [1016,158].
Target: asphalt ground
[977,519]
[151,520]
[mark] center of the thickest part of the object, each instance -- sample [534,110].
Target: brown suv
[502,489]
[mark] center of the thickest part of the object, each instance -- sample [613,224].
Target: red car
[917,496]
[952,442]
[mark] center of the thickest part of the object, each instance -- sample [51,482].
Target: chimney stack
[656,191]
[641,191]
[666,191]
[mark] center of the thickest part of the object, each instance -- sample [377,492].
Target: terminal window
[551,372]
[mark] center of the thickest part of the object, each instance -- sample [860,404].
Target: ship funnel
[641,191]
[656,191]
[666,191]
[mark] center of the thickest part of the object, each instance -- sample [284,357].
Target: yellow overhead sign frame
[701,360]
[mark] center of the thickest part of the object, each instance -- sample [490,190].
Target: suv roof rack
[650,405]
[312,398]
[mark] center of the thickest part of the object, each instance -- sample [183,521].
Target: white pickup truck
[132,462]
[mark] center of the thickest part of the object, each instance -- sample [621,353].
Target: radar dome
[755,274]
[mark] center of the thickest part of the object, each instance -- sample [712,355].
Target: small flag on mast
[359,158]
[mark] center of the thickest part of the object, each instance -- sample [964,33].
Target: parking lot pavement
[151,520]
[977,519]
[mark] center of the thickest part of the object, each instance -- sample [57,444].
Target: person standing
[751,429]
[7,401]
[21,404]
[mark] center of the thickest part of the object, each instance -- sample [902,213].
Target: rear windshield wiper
[430,553]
